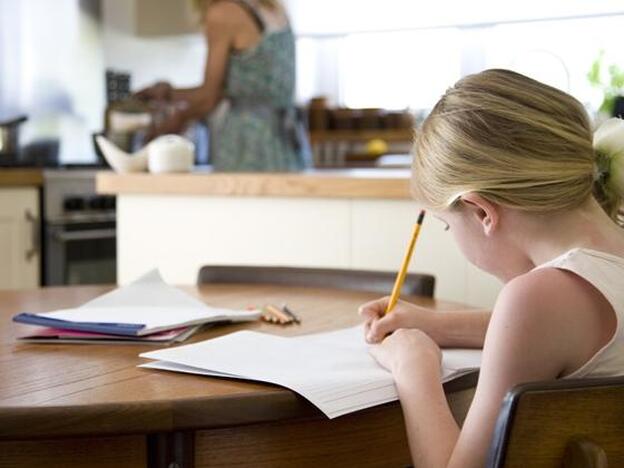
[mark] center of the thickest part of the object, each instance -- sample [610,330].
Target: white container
[170,153]
[167,153]
[121,161]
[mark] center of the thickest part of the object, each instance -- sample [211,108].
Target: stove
[79,229]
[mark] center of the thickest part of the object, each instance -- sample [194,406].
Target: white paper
[333,370]
[151,302]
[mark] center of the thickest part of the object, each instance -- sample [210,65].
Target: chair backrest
[563,423]
[359,280]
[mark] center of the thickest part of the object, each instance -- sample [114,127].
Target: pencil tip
[421,216]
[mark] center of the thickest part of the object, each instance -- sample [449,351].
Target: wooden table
[89,405]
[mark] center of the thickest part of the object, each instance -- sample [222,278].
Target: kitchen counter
[10,177]
[346,183]
[356,219]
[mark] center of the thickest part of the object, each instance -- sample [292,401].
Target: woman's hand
[404,315]
[171,120]
[160,91]
[406,350]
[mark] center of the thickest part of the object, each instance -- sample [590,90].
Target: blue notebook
[125,329]
[147,306]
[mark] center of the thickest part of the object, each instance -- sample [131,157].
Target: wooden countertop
[10,177]
[50,390]
[345,183]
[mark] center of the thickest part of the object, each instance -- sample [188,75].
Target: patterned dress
[261,131]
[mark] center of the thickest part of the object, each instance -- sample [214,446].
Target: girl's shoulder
[580,274]
[550,308]
[540,294]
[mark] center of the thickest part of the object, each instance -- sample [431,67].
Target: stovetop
[69,195]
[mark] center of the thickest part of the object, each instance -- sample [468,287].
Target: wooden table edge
[35,422]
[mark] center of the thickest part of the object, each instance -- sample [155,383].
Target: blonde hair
[513,140]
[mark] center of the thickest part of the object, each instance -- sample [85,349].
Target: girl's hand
[406,350]
[404,315]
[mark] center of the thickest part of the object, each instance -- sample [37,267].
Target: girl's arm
[449,329]
[528,339]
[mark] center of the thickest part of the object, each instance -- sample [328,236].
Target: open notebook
[144,307]
[333,370]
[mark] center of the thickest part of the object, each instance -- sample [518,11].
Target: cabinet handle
[35,235]
[94,234]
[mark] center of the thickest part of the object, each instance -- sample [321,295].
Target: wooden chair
[359,280]
[564,423]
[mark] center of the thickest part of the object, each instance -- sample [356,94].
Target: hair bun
[609,147]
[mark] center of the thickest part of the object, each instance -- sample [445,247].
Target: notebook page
[146,291]
[151,302]
[333,370]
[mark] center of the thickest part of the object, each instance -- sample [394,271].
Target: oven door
[80,253]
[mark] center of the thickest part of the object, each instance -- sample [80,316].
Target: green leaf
[617,77]
[607,106]
[593,76]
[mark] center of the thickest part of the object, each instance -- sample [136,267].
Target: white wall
[179,59]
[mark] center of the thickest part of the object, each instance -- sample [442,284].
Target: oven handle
[92,234]
[35,235]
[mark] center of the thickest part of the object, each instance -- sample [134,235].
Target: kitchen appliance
[117,85]
[79,233]
[9,140]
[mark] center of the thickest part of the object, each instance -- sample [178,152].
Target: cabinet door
[19,238]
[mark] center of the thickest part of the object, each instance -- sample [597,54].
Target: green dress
[261,131]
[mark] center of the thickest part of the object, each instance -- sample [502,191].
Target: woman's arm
[194,103]
[449,329]
[220,31]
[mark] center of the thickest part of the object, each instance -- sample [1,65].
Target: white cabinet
[19,238]
[179,234]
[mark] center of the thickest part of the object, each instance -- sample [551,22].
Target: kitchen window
[399,69]
[559,53]
[401,56]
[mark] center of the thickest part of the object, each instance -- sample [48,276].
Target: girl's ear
[484,212]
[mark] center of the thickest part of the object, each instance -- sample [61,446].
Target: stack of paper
[334,370]
[147,310]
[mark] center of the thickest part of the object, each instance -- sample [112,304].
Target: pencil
[282,317]
[398,284]
[289,312]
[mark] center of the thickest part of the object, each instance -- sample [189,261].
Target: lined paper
[333,370]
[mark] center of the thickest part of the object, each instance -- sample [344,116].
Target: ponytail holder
[609,147]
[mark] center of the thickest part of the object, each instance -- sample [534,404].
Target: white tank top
[606,273]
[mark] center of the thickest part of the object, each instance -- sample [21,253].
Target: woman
[507,164]
[251,63]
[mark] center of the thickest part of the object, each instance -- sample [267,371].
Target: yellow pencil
[398,284]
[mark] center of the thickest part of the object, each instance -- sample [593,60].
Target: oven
[79,231]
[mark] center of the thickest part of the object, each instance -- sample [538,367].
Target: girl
[508,164]
[251,63]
